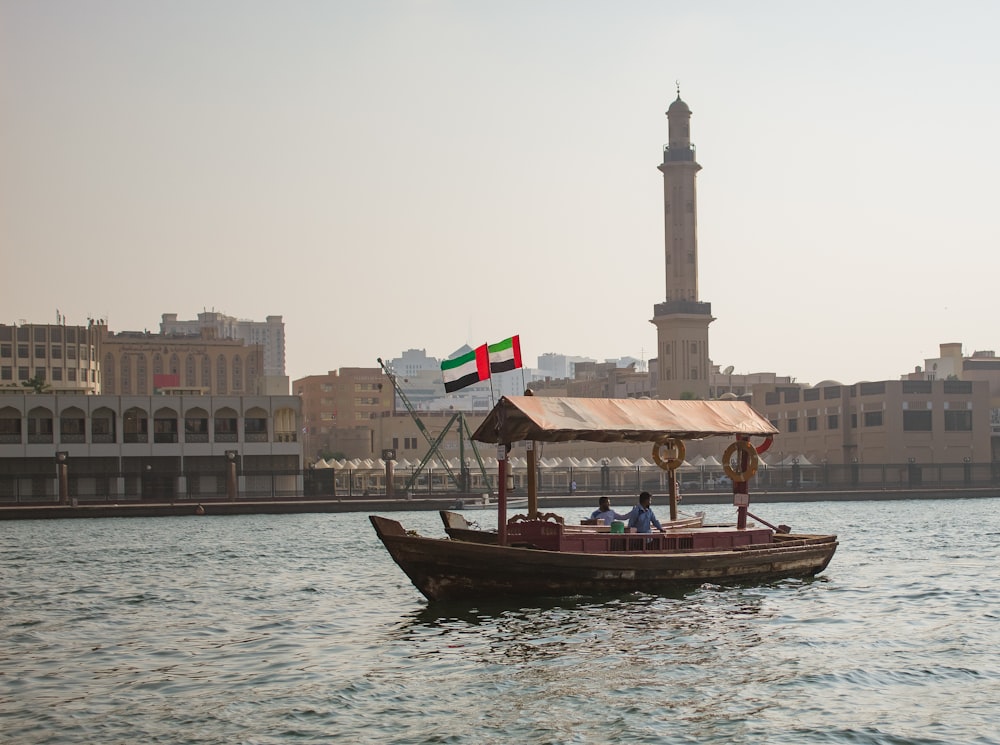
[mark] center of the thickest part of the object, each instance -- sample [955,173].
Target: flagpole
[492,397]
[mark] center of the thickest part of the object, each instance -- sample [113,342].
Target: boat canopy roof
[560,419]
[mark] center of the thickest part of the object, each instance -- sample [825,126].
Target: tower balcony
[678,153]
[682,307]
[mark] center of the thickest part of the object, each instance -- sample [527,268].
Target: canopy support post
[502,451]
[532,485]
[672,473]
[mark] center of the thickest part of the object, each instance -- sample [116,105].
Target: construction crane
[461,483]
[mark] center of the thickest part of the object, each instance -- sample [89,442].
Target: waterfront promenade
[546,502]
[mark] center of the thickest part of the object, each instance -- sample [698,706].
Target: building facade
[141,363]
[343,410]
[65,358]
[918,422]
[148,447]
[268,334]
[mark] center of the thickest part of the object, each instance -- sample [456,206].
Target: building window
[109,374]
[40,351]
[71,352]
[238,375]
[854,421]
[141,376]
[126,367]
[957,421]
[71,375]
[10,430]
[916,421]
[189,371]
[226,429]
[220,375]
[22,373]
[833,421]
[811,423]
[57,374]
[22,350]
[873,418]
[57,353]
[6,350]
[792,425]
[6,372]
[164,430]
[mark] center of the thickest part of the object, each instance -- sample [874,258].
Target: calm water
[300,629]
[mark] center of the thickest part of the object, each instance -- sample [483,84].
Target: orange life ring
[668,463]
[753,461]
[762,448]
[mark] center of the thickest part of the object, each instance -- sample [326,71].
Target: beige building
[344,411]
[148,447]
[885,422]
[66,358]
[141,363]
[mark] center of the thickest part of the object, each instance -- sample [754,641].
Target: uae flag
[505,355]
[465,370]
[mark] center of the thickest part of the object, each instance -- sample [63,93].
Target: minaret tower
[681,320]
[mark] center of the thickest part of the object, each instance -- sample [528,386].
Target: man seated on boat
[642,517]
[604,513]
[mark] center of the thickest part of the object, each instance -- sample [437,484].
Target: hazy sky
[396,175]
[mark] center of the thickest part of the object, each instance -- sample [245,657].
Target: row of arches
[136,424]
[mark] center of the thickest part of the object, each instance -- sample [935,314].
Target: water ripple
[279,629]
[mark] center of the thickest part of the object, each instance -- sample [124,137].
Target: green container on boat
[617,527]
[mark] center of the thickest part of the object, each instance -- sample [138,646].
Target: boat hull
[445,569]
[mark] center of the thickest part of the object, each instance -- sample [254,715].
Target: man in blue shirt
[641,517]
[604,513]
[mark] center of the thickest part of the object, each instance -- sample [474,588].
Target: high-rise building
[681,320]
[269,334]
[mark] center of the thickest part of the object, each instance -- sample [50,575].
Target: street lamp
[62,466]
[231,490]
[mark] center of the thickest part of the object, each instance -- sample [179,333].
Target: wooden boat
[484,503]
[540,556]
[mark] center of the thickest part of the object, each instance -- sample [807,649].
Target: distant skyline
[397,175]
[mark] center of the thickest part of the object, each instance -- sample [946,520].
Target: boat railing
[551,536]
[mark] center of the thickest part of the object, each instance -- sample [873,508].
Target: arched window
[237,374]
[126,374]
[189,371]
[220,376]
[108,384]
[206,372]
[141,375]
